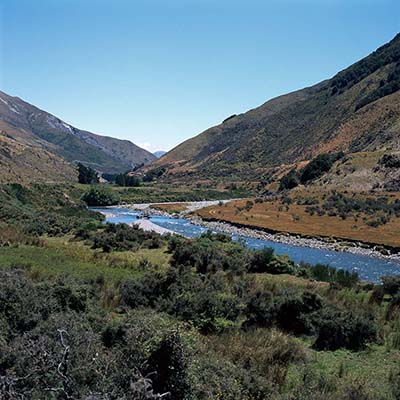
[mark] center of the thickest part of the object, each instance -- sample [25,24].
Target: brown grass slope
[357,110]
[105,154]
[23,161]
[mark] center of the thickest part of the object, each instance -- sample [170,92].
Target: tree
[87,175]
[290,180]
[127,180]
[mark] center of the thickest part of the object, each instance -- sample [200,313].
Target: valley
[258,260]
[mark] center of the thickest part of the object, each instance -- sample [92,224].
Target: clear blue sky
[160,71]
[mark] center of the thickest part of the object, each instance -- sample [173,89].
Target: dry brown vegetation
[170,207]
[294,219]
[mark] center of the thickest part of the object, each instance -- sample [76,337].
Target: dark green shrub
[345,330]
[113,334]
[294,312]
[122,237]
[391,284]
[146,291]
[100,196]
[127,180]
[260,309]
[318,166]
[326,273]
[290,180]
[261,259]
[169,362]
[209,255]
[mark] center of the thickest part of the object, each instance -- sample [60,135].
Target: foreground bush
[52,346]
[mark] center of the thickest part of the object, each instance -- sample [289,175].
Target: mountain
[22,159]
[34,131]
[358,110]
[159,154]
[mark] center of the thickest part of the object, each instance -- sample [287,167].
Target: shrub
[170,364]
[390,160]
[293,313]
[100,196]
[326,273]
[289,181]
[260,259]
[318,166]
[391,284]
[122,237]
[127,180]
[145,291]
[260,309]
[210,254]
[345,330]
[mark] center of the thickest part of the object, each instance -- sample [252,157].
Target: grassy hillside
[29,125]
[21,162]
[357,110]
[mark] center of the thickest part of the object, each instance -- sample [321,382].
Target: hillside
[358,110]
[40,132]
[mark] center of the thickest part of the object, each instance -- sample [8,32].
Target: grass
[171,207]
[270,282]
[60,257]
[68,258]
[370,368]
[159,192]
[295,220]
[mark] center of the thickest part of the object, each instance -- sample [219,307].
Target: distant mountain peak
[105,154]
[159,153]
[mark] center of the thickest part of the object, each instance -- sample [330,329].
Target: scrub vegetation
[111,312]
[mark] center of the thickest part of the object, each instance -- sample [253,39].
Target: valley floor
[280,216]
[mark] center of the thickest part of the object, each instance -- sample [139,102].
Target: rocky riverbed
[331,244]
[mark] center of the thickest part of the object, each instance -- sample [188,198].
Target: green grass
[62,258]
[370,368]
[169,193]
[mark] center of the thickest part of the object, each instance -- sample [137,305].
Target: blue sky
[160,71]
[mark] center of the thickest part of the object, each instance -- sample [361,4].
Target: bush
[261,259]
[294,312]
[345,330]
[260,309]
[390,161]
[209,254]
[127,180]
[122,237]
[99,196]
[289,181]
[318,166]
[146,291]
[170,365]
[391,284]
[326,273]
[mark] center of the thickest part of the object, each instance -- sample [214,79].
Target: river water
[368,268]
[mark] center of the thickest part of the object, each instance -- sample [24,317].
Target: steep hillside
[357,110]
[31,126]
[22,159]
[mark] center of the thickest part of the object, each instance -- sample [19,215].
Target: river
[368,268]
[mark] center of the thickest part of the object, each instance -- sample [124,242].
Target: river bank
[286,238]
